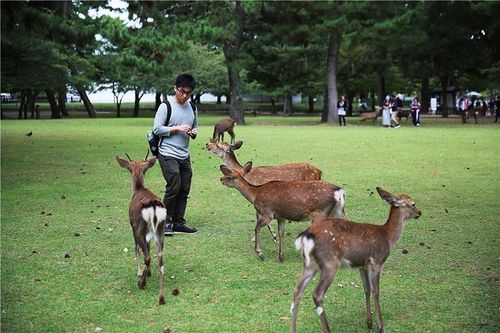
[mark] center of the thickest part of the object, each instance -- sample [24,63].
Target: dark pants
[177,174]
[415,117]
[341,118]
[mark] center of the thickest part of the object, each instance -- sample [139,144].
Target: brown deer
[294,200]
[147,217]
[263,174]
[329,244]
[224,125]
[370,115]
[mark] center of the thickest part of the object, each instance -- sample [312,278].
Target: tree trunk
[22,105]
[52,101]
[331,81]
[424,94]
[273,106]
[86,102]
[324,112]
[157,100]
[381,88]
[311,104]
[350,99]
[231,50]
[61,98]
[444,96]
[56,112]
[219,99]
[30,104]
[287,103]
[137,100]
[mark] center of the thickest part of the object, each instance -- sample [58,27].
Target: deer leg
[261,221]
[149,251]
[374,276]
[231,133]
[306,276]
[272,232]
[159,253]
[137,260]
[141,276]
[281,236]
[325,280]
[366,285]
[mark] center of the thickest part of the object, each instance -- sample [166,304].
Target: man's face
[182,94]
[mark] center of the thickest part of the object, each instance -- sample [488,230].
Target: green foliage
[64,193]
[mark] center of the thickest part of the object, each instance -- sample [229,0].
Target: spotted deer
[295,200]
[147,217]
[263,174]
[224,125]
[330,243]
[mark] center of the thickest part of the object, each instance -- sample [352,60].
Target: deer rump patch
[153,216]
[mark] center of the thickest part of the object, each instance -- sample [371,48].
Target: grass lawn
[67,258]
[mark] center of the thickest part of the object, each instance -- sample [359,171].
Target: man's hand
[192,132]
[183,128]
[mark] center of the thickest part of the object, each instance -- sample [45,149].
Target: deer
[294,200]
[263,174]
[147,215]
[370,115]
[224,125]
[329,243]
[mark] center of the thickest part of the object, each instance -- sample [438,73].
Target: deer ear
[150,162]
[225,170]
[124,163]
[237,145]
[247,167]
[389,198]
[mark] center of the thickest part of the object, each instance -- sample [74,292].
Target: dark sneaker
[182,228]
[168,230]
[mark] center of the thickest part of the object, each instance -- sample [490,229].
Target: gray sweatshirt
[174,145]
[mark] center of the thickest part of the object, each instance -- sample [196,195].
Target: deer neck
[394,225]
[247,190]
[231,162]
[137,181]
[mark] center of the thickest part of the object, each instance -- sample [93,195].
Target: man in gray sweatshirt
[173,150]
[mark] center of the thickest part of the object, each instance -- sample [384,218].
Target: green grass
[64,180]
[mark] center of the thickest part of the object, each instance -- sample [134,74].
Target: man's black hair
[185,80]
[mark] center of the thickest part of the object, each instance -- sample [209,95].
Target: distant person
[341,110]
[464,106]
[386,111]
[491,106]
[415,111]
[497,108]
[174,157]
[396,108]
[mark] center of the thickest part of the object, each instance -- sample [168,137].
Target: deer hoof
[162,300]
[261,256]
[281,258]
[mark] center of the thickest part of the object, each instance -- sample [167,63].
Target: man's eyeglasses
[184,92]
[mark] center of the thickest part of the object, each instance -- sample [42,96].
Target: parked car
[70,98]
[6,97]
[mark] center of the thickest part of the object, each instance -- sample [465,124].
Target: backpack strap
[169,114]
[193,107]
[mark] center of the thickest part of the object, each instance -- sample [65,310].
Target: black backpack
[154,140]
